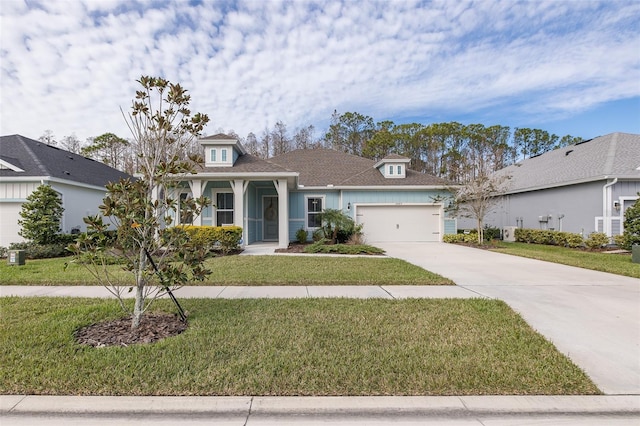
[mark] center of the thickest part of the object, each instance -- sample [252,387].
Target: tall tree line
[454,151]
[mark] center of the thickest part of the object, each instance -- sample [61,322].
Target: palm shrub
[632,225]
[337,226]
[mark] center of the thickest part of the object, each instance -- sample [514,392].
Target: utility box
[16,257]
[509,234]
[635,254]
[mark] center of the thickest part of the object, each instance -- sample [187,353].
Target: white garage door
[398,223]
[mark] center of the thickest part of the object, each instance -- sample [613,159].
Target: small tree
[632,225]
[478,198]
[41,216]
[335,221]
[144,209]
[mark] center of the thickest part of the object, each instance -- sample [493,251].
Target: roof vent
[66,172]
[568,152]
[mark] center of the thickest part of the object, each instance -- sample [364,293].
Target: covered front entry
[400,223]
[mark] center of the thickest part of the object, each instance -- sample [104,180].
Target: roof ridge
[611,154]
[34,157]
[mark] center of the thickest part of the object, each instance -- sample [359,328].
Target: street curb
[461,406]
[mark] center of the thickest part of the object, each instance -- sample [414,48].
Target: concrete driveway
[592,317]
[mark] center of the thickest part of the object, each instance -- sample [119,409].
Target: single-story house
[272,199]
[26,164]
[580,188]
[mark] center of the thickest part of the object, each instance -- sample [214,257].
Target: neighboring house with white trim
[272,199]
[26,164]
[580,188]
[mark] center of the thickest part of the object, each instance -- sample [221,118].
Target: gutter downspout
[606,206]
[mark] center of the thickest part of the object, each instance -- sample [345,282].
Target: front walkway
[592,317]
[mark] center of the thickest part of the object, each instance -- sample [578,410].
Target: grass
[246,270]
[619,264]
[288,347]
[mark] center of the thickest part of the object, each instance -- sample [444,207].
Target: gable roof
[323,167]
[616,155]
[37,159]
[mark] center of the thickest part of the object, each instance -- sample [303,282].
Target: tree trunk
[138,307]
[480,232]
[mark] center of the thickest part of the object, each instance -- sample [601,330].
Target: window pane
[213,155]
[399,170]
[224,155]
[224,200]
[314,204]
[390,170]
[224,218]
[314,220]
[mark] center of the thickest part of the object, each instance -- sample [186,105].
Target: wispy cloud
[70,66]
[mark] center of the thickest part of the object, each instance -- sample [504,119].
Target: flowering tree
[158,256]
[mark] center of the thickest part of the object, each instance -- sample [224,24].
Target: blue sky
[569,67]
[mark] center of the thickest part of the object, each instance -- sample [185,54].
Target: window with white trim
[314,208]
[224,208]
[224,155]
[213,155]
[390,170]
[399,170]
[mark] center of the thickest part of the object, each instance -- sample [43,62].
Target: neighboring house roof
[37,159]
[616,155]
[322,167]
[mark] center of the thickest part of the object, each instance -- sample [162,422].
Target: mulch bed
[153,327]
[293,248]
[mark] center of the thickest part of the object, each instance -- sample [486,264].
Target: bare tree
[478,197]
[280,139]
[48,138]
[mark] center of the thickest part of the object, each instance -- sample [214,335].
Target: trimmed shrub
[597,240]
[552,238]
[471,238]
[618,240]
[491,233]
[322,246]
[224,238]
[302,235]
[41,251]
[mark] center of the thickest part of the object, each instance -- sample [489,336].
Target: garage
[400,223]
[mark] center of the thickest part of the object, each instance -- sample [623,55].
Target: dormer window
[223,150]
[393,166]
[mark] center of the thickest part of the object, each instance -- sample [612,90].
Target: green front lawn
[288,347]
[246,270]
[613,263]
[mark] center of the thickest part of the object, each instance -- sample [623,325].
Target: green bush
[302,235]
[597,240]
[321,246]
[317,235]
[491,233]
[618,240]
[41,251]
[546,237]
[470,238]
[224,238]
[41,216]
[632,225]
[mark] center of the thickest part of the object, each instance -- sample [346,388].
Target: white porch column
[196,192]
[283,213]
[239,187]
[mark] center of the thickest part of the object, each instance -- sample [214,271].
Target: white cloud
[69,68]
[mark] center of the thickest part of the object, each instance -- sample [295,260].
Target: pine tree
[41,216]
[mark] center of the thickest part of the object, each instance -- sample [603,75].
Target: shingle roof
[39,159]
[610,156]
[246,164]
[322,167]
[217,136]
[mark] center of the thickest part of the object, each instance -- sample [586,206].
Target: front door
[270,218]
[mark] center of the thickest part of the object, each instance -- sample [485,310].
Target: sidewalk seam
[246,421]
[386,291]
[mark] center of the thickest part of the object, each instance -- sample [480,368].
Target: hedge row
[226,238]
[595,240]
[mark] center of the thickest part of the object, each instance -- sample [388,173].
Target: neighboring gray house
[272,199]
[26,164]
[580,188]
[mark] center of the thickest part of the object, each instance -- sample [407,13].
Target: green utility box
[635,254]
[16,257]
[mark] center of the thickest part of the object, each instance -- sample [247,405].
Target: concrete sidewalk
[247,292]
